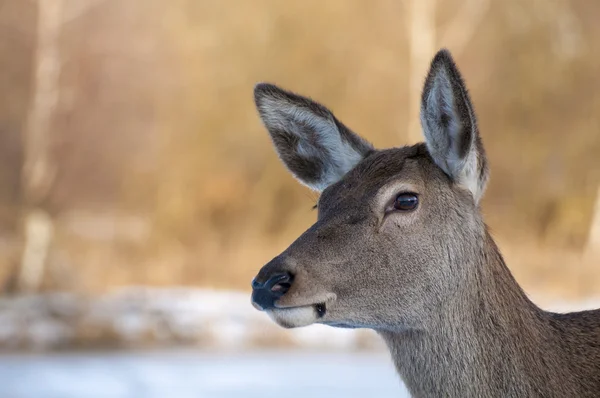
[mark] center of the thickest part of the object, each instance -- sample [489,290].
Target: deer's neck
[490,340]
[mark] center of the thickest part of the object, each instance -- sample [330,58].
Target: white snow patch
[209,318]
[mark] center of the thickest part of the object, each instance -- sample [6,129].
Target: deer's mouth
[298,316]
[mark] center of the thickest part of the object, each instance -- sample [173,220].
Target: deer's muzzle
[264,294]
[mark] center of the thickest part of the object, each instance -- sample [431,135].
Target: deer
[400,247]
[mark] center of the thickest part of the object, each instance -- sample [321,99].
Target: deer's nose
[264,294]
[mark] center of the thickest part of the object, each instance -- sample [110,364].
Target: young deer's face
[395,227]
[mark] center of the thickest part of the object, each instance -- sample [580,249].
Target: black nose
[265,293]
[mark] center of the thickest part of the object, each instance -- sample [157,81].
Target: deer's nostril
[281,288]
[279,279]
[279,284]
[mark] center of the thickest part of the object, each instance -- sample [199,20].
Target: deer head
[397,228]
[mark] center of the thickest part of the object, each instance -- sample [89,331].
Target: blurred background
[139,193]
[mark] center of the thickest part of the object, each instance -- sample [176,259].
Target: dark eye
[406,202]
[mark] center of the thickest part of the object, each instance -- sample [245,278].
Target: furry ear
[311,142]
[450,126]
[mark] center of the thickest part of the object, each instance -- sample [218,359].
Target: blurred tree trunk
[38,168]
[424,42]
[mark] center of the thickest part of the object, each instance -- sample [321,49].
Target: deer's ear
[450,126]
[311,142]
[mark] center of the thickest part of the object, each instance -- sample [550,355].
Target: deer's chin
[294,317]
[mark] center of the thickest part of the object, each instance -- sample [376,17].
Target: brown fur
[431,281]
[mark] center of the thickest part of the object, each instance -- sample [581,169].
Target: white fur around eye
[388,193]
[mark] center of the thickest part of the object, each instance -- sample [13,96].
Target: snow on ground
[330,364]
[144,317]
[140,317]
[200,375]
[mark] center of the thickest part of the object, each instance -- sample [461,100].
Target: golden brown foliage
[165,175]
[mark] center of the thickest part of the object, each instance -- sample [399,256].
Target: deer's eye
[406,201]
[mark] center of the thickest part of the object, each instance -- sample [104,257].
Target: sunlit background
[139,193]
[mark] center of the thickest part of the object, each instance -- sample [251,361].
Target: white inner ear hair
[444,136]
[319,138]
[469,176]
